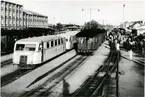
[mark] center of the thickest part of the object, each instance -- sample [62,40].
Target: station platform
[135,57]
[6,57]
[140,59]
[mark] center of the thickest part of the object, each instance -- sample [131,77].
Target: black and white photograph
[72,48]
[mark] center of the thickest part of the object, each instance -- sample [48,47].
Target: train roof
[69,33]
[39,39]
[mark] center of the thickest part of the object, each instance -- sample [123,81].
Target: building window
[9,9]
[2,8]
[13,21]
[5,9]
[2,21]
[13,17]
[2,17]
[9,17]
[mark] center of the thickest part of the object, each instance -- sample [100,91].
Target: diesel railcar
[70,37]
[32,51]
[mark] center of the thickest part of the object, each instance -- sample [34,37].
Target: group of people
[130,43]
[114,42]
[136,43]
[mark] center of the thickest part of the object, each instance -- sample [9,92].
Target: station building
[11,15]
[34,20]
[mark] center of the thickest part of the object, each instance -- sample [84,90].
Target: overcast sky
[66,11]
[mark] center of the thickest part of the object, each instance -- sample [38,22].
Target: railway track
[10,77]
[92,86]
[41,90]
[13,76]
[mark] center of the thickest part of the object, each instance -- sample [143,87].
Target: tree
[59,26]
[91,29]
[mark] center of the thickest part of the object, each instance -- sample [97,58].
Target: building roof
[33,13]
[141,28]
[11,2]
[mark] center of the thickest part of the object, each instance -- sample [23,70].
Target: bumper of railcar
[25,66]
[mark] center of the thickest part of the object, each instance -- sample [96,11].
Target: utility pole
[90,11]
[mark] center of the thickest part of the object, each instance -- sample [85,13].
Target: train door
[63,43]
[45,51]
[42,51]
[59,46]
[52,49]
[55,44]
[48,51]
[70,42]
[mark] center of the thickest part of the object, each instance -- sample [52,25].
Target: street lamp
[90,11]
[54,20]
[123,15]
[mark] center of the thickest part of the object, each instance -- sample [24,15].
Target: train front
[25,55]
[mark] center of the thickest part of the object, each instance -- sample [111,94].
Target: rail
[56,78]
[92,86]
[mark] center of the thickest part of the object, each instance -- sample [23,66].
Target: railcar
[32,51]
[70,37]
[87,44]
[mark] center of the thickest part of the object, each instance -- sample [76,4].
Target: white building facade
[14,17]
[11,15]
[34,20]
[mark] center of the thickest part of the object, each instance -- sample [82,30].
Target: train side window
[30,47]
[70,39]
[56,42]
[59,42]
[52,43]
[48,44]
[20,46]
[62,40]
[66,39]
[40,46]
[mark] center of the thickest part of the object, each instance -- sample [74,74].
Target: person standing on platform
[130,49]
[110,40]
[142,46]
[117,46]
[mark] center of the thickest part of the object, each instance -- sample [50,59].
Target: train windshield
[25,47]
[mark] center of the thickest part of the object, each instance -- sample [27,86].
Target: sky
[70,11]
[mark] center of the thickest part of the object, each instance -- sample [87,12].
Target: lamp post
[90,11]
[54,20]
[123,15]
